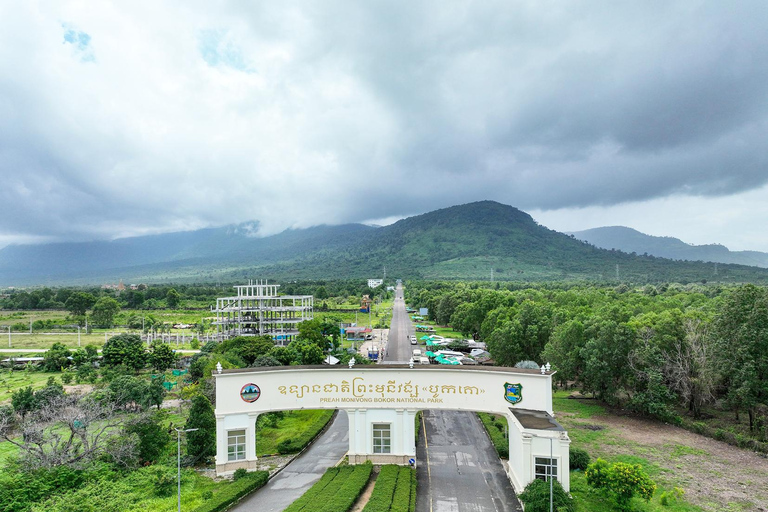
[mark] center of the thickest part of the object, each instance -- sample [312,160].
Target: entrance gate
[381,402]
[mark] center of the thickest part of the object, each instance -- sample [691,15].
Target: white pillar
[409,431]
[526,473]
[398,434]
[250,437]
[563,469]
[352,416]
[364,443]
[221,441]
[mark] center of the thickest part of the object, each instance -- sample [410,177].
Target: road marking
[426,450]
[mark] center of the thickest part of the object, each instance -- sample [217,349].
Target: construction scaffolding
[258,310]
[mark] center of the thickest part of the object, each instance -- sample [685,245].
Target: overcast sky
[128,118]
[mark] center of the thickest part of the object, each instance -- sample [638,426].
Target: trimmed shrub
[239,473]
[381,497]
[495,429]
[234,492]
[401,499]
[578,459]
[535,497]
[336,491]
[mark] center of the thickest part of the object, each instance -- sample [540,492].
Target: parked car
[416,354]
[413,340]
[423,360]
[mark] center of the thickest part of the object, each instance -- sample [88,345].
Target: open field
[715,476]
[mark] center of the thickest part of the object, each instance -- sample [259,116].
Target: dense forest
[668,351]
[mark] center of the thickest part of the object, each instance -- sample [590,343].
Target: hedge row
[234,491]
[301,441]
[495,429]
[725,436]
[401,500]
[395,490]
[336,491]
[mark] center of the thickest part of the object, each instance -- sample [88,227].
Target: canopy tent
[429,353]
[425,337]
[431,343]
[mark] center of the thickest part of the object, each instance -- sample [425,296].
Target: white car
[413,339]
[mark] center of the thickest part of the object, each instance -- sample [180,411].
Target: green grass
[447,332]
[393,490]
[595,442]
[18,379]
[490,422]
[291,427]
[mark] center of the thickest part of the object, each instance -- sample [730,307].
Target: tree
[124,349]
[85,357]
[202,442]
[23,401]
[71,430]
[104,311]
[741,330]
[57,358]
[79,302]
[153,437]
[690,367]
[161,356]
[173,298]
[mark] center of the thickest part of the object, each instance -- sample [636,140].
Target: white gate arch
[381,402]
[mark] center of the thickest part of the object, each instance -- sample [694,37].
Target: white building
[375,283]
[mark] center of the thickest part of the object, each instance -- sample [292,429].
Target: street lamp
[549,466]
[178,458]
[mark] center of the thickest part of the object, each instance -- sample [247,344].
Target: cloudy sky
[127,118]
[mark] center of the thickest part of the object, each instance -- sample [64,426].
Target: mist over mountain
[630,240]
[482,240]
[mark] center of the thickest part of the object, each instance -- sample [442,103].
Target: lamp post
[549,471]
[178,459]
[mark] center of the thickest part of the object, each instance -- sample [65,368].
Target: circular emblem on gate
[250,392]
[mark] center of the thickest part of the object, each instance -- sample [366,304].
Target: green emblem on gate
[513,393]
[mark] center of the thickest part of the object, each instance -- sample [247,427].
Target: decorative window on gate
[544,468]
[236,445]
[382,438]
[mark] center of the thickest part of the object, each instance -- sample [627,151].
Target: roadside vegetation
[336,491]
[395,490]
[694,356]
[92,432]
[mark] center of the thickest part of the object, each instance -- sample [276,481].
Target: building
[258,310]
[375,283]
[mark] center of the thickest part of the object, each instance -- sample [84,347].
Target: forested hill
[480,240]
[630,240]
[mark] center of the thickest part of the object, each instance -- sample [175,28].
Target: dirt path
[362,500]
[714,475]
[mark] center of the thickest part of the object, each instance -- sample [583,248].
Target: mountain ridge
[631,240]
[469,241]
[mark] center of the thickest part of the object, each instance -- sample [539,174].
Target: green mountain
[480,240]
[630,240]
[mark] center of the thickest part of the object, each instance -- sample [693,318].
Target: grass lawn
[447,332]
[291,426]
[585,422]
[13,381]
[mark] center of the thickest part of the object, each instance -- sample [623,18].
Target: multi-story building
[257,310]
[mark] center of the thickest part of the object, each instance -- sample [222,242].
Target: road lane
[303,472]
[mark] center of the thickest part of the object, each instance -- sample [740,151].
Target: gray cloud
[142,118]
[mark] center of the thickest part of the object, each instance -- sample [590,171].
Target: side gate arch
[381,402]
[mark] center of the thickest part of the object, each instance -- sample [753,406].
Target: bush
[336,491]
[234,491]
[535,497]
[202,442]
[239,473]
[165,483]
[623,480]
[578,459]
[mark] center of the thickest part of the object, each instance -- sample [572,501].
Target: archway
[382,401]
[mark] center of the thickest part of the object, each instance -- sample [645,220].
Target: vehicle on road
[416,353]
[413,340]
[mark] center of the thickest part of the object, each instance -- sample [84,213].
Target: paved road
[462,471]
[399,349]
[300,474]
